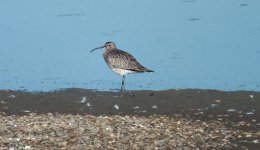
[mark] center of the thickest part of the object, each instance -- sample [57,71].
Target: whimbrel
[121,62]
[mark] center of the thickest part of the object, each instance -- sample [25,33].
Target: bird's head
[107,46]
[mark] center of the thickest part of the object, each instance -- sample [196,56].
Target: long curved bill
[97,48]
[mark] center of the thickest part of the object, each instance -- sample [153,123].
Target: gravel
[67,131]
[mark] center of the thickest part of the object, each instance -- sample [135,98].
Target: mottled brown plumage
[121,62]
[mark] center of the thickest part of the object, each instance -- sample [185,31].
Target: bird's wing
[123,60]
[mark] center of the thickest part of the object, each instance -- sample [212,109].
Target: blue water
[207,44]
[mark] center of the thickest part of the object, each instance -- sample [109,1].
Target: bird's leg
[123,84]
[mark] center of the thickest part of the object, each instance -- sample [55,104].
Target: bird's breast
[121,71]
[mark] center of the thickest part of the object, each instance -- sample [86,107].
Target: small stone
[257,133]
[2,102]
[83,99]
[217,101]
[116,106]
[11,96]
[232,110]
[248,135]
[154,107]
[27,147]
[88,104]
[136,107]
[26,111]
[250,113]
[214,105]
[256,141]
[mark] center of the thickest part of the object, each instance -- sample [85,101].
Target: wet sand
[205,103]
[238,111]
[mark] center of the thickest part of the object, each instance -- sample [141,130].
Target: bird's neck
[110,50]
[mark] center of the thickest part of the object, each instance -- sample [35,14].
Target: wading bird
[121,62]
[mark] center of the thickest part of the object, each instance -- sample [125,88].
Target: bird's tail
[148,70]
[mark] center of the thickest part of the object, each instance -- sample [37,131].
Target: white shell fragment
[214,105]
[26,111]
[154,107]
[232,110]
[217,101]
[83,99]
[136,107]
[116,106]
[11,96]
[88,104]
